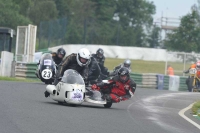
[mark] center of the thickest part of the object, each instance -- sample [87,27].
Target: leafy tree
[42,10]
[187,37]
[104,9]
[94,20]
[154,37]
[64,7]
[135,12]
[78,13]
[10,15]
[103,27]
[133,16]
[24,5]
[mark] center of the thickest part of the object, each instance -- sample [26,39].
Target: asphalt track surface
[24,109]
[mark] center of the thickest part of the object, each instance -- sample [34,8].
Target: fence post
[13,69]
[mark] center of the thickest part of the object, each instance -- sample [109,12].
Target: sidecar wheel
[60,102]
[108,105]
[73,105]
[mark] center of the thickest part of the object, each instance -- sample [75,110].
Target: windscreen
[72,77]
[46,59]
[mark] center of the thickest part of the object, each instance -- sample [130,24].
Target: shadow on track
[82,106]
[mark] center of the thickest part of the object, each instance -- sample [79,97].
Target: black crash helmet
[100,53]
[61,51]
[123,74]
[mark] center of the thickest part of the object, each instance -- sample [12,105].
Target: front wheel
[108,105]
[48,82]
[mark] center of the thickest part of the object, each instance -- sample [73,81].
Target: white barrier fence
[137,53]
[6,63]
[25,43]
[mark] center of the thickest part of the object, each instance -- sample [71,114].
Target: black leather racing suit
[70,62]
[104,71]
[56,59]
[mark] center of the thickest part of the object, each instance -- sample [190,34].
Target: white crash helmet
[85,54]
[198,65]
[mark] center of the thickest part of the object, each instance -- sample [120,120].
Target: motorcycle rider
[93,71]
[197,66]
[122,86]
[100,58]
[58,56]
[77,61]
[126,63]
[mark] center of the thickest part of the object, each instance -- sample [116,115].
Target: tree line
[186,38]
[113,22]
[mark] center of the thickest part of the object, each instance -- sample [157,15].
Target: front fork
[196,84]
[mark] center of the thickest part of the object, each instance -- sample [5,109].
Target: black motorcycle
[46,69]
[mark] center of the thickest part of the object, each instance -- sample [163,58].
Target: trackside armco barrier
[27,70]
[23,70]
[173,83]
[160,81]
[146,80]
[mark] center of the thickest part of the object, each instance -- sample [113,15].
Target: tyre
[48,82]
[73,105]
[190,84]
[60,102]
[108,105]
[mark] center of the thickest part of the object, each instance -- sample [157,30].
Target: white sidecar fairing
[95,98]
[71,89]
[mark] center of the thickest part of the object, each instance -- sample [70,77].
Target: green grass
[196,108]
[137,66]
[141,66]
[18,79]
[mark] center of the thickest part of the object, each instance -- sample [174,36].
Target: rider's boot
[46,94]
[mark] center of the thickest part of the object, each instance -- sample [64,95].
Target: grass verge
[196,108]
[141,66]
[18,79]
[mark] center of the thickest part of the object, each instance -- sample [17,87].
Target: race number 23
[46,74]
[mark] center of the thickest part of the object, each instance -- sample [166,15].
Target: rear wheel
[194,86]
[108,105]
[190,84]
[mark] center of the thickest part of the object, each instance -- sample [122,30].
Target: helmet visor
[83,60]
[198,67]
[100,55]
[127,65]
[123,77]
[60,55]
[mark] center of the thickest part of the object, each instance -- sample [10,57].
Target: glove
[95,87]
[186,71]
[123,98]
[131,93]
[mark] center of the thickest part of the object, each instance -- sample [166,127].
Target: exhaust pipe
[51,89]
